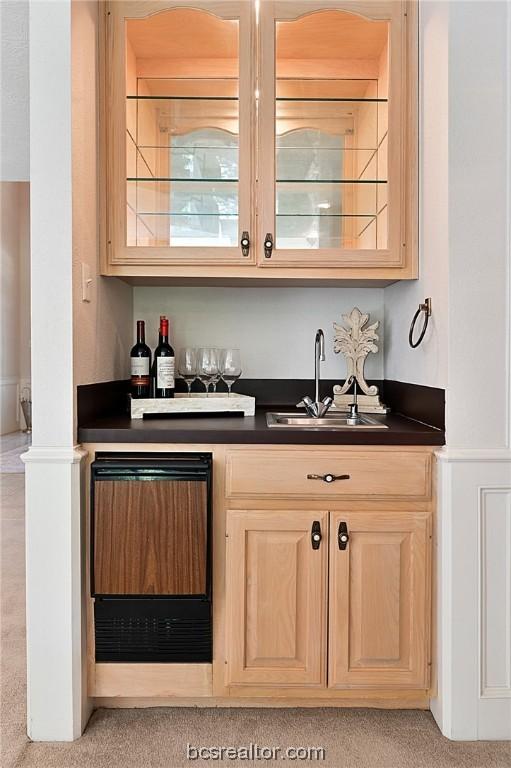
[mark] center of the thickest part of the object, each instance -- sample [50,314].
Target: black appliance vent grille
[151,638]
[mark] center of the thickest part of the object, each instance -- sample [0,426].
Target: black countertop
[252,430]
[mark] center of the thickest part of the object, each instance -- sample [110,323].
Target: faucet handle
[324,405]
[310,405]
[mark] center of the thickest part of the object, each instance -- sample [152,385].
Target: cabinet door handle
[328,478]
[245,243]
[268,245]
[343,535]
[316,534]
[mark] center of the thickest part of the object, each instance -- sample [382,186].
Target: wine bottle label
[140,366]
[165,371]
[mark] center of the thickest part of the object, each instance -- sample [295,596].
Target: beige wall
[14,302]
[103,326]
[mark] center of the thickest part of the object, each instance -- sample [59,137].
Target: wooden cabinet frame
[256,199]
[258,543]
[379,600]
[128,685]
[113,115]
[401,251]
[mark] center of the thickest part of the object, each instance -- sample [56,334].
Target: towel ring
[426,308]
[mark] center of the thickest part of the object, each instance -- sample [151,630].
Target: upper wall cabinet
[260,140]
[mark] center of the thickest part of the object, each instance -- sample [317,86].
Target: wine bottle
[140,357]
[164,364]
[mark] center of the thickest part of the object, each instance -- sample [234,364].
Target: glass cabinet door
[180,115]
[330,134]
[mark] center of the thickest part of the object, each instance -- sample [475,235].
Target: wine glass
[187,366]
[230,367]
[208,366]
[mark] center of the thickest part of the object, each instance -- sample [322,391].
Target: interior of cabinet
[182,129]
[183,137]
[331,117]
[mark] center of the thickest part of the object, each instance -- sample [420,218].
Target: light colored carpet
[12,617]
[11,447]
[157,738]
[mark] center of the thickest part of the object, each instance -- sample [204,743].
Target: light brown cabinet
[372,619]
[274,144]
[377,604]
[308,622]
[379,600]
[277,590]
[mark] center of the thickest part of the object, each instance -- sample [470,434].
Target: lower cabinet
[320,599]
[277,598]
[379,600]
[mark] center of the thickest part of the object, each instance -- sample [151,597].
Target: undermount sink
[328,421]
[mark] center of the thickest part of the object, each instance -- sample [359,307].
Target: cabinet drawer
[374,474]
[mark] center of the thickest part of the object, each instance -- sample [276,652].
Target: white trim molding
[478,455]
[474,594]
[40,455]
[495,591]
[57,704]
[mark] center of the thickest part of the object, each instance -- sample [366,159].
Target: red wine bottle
[140,357]
[164,364]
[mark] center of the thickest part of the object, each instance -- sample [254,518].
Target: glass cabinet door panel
[185,181]
[325,88]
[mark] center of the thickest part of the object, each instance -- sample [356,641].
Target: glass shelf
[184,229]
[182,98]
[188,180]
[331,181]
[310,231]
[172,213]
[310,99]
[326,215]
[156,120]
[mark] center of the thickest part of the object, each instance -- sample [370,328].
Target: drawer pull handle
[343,535]
[328,478]
[316,534]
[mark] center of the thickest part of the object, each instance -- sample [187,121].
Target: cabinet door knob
[268,245]
[316,534]
[328,478]
[343,535]
[245,243]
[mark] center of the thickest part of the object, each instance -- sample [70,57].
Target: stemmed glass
[230,367]
[208,366]
[187,366]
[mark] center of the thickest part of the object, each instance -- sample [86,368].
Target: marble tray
[197,402]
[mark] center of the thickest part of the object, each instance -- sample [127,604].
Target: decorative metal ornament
[356,342]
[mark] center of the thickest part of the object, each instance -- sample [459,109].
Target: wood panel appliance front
[150,538]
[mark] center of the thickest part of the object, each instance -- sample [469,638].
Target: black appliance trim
[154,461]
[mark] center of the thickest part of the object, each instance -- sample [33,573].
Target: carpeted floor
[11,448]
[158,738]
[12,618]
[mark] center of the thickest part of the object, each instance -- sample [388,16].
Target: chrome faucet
[317,408]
